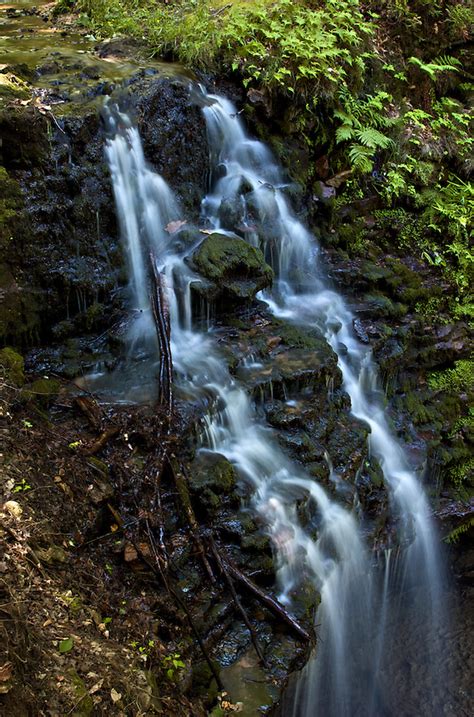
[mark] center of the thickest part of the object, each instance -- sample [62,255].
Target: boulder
[234,269]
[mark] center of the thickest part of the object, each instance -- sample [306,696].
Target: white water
[247,171]
[342,678]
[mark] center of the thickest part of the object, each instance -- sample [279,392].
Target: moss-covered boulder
[43,390]
[234,269]
[12,366]
[212,479]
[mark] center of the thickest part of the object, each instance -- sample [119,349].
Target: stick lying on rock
[161,316]
[270,603]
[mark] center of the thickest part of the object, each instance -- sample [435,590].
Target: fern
[372,138]
[361,158]
[343,133]
[440,64]
[455,534]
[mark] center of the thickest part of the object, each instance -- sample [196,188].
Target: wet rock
[231,212]
[19,311]
[173,130]
[24,133]
[212,479]
[324,193]
[236,270]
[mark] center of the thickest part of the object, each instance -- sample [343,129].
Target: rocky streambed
[89,624]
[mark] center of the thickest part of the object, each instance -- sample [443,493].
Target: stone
[13,366]
[235,269]
[44,390]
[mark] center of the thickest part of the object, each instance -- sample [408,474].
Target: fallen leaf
[66,645]
[116,696]
[130,554]
[173,227]
[13,508]
[5,672]
[95,688]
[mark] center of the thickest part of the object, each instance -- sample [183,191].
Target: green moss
[19,319]
[232,265]
[13,87]
[43,390]
[10,202]
[13,366]
[84,704]
[295,337]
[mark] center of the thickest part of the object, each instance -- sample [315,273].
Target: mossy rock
[43,390]
[233,267]
[13,87]
[212,480]
[13,365]
[214,471]
[19,315]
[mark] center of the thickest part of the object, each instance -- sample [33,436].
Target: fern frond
[345,117]
[372,138]
[361,158]
[444,63]
[344,133]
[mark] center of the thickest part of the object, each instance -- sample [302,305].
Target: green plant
[455,535]
[21,487]
[444,63]
[364,126]
[173,665]
[457,379]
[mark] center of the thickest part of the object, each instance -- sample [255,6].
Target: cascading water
[342,678]
[249,178]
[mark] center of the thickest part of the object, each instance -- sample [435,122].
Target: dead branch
[236,600]
[270,603]
[101,441]
[156,568]
[161,316]
[91,409]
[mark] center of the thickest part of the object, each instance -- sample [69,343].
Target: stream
[362,604]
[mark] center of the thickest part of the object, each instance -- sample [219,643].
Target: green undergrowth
[380,89]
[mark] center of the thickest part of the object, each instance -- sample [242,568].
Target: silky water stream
[363,606]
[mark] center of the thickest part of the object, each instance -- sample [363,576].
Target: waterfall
[246,171]
[343,676]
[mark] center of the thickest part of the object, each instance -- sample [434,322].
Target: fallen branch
[157,569]
[270,603]
[236,600]
[101,441]
[161,316]
[91,409]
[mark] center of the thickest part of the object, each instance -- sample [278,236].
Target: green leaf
[66,645]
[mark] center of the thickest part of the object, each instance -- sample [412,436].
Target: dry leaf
[130,554]
[5,672]
[173,227]
[116,696]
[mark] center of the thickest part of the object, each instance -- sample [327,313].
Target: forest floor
[82,617]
